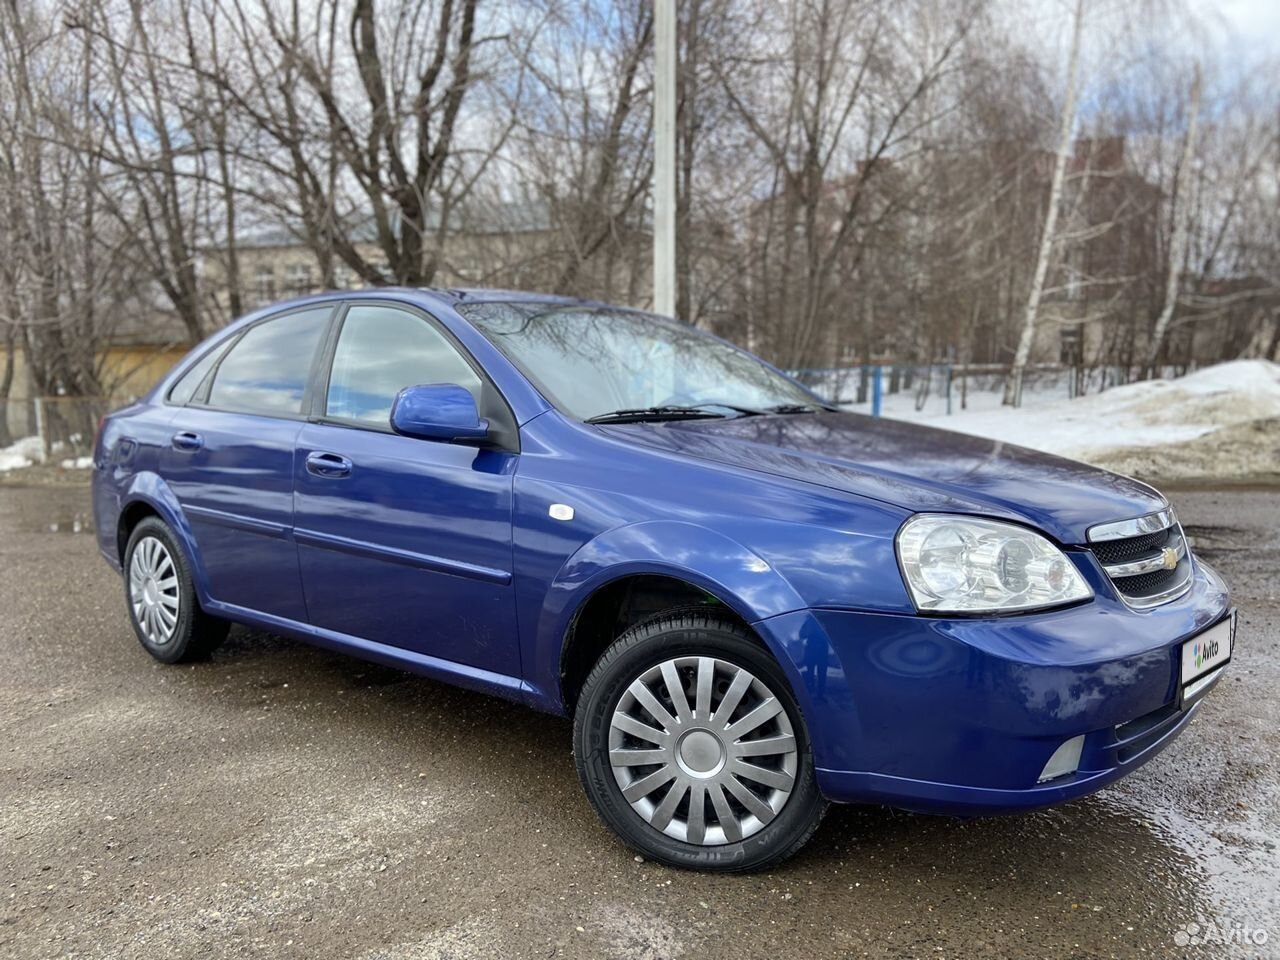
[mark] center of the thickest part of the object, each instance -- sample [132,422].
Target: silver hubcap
[153,590]
[702,750]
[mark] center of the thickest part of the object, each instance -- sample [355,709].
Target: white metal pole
[664,158]
[45,445]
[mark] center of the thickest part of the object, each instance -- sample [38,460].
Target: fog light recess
[1065,760]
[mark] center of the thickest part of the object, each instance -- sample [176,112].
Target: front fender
[736,576]
[149,488]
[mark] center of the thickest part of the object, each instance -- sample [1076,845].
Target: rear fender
[149,488]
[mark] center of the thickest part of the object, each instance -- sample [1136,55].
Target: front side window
[381,350]
[267,370]
[594,361]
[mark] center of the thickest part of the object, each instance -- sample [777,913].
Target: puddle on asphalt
[1084,872]
[48,510]
[1233,854]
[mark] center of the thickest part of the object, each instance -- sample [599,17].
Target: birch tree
[1181,217]
[1066,127]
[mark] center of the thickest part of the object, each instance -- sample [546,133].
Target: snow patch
[24,453]
[1228,415]
[29,451]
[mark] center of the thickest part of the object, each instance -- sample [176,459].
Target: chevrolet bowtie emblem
[1170,557]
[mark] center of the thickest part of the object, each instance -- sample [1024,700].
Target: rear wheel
[691,747]
[161,597]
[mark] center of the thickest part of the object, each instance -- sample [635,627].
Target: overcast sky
[1258,18]
[1235,39]
[1251,27]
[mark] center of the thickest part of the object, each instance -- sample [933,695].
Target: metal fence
[949,388]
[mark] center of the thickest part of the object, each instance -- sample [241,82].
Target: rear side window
[382,350]
[267,370]
[189,382]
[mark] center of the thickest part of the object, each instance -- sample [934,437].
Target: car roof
[481,295]
[455,296]
[448,297]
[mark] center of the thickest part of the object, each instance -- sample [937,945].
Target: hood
[915,467]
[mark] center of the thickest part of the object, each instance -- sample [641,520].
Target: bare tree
[148,146]
[214,127]
[382,154]
[68,280]
[836,98]
[859,181]
[1181,224]
[1066,127]
[582,148]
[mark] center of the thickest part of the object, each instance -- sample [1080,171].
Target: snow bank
[29,451]
[1219,422]
[24,453]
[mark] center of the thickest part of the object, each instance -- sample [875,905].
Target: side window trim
[219,351]
[322,359]
[507,435]
[201,397]
[318,385]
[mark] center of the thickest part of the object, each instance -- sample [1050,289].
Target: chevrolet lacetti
[750,603]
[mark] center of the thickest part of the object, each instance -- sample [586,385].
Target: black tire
[690,633]
[194,634]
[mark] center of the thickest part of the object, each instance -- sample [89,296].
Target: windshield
[592,362]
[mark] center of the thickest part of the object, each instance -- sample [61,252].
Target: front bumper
[960,716]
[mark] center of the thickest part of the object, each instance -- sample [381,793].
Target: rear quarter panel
[128,447]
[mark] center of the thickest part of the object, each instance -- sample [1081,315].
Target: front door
[401,541]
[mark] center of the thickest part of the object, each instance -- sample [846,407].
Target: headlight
[963,564]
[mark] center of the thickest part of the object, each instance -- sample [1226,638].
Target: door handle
[328,465]
[186,440]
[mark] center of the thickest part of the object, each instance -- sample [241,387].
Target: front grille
[1131,548]
[1135,556]
[1147,584]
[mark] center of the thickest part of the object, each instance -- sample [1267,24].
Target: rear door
[402,541]
[229,460]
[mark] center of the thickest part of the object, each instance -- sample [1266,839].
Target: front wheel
[692,749]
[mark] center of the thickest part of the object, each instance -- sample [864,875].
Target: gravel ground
[281,801]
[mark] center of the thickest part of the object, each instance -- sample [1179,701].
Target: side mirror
[438,411]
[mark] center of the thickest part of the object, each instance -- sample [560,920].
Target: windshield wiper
[640,414]
[699,411]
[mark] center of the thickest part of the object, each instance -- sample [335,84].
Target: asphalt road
[281,801]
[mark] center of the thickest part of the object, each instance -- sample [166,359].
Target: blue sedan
[750,603]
